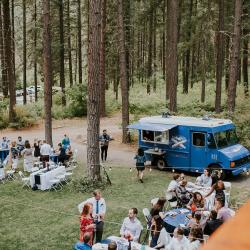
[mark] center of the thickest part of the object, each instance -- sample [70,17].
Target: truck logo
[178,142]
[214,157]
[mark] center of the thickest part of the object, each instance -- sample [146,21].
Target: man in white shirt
[45,151]
[170,194]
[131,226]
[179,241]
[99,211]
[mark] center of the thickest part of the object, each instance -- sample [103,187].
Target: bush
[26,116]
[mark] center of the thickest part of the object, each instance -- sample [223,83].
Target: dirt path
[76,129]
[118,154]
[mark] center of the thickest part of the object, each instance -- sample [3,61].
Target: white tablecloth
[45,177]
[122,244]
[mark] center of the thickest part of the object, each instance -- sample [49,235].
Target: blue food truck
[192,144]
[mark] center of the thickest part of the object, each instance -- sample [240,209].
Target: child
[140,160]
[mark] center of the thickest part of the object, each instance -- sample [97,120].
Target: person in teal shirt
[65,142]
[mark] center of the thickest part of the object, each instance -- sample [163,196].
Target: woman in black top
[219,188]
[37,148]
[62,153]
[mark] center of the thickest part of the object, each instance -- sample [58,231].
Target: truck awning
[151,126]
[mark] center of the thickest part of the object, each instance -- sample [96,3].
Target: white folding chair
[2,176]
[147,217]
[10,175]
[55,183]
[227,191]
[205,238]
[154,201]
[25,180]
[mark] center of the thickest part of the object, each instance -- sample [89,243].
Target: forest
[141,57]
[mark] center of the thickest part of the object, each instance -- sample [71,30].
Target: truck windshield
[226,138]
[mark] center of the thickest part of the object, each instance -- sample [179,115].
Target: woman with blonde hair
[87,223]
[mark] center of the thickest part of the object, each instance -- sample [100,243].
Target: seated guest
[158,207]
[112,246]
[183,195]
[27,157]
[87,223]
[85,245]
[223,213]
[45,151]
[69,152]
[196,221]
[182,177]
[13,155]
[61,153]
[197,203]
[156,226]
[131,226]
[212,224]
[205,180]
[163,240]
[195,238]
[171,195]
[179,241]
[20,144]
[219,188]
[5,143]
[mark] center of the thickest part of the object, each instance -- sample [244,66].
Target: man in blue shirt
[85,244]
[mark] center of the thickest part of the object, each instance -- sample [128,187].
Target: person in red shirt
[87,223]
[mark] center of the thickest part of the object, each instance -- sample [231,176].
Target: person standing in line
[99,211]
[140,163]
[65,142]
[104,141]
[36,148]
[45,151]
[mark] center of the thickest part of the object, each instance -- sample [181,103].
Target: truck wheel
[161,164]
[214,168]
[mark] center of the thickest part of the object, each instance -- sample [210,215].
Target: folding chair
[147,217]
[25,180]
[227,191]
[55,183]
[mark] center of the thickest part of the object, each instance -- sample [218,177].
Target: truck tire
[215,167]
[161,164]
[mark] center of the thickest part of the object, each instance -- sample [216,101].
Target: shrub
[25,117]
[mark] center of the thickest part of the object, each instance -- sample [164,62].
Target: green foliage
[26,117]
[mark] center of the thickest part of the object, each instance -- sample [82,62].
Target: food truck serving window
[155,136]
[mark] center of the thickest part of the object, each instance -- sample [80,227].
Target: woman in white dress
[27,157]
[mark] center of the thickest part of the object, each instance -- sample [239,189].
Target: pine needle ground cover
[50,220]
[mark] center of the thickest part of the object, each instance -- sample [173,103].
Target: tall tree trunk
[24,55]
[172,61]
[227,59]
[123,73]
[164,41]
[93,104]
[3,58]
[150,47]
[61,27]
[13,36]
[47,71]
[245,50]
[220,57]
[79,36]
[187,54]
[102,60]
[234,58]
[69,45]
[127,35]
[35,48]
[154,52]
[9,59]
[203,73]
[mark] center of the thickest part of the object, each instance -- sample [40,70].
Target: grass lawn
[50,220]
